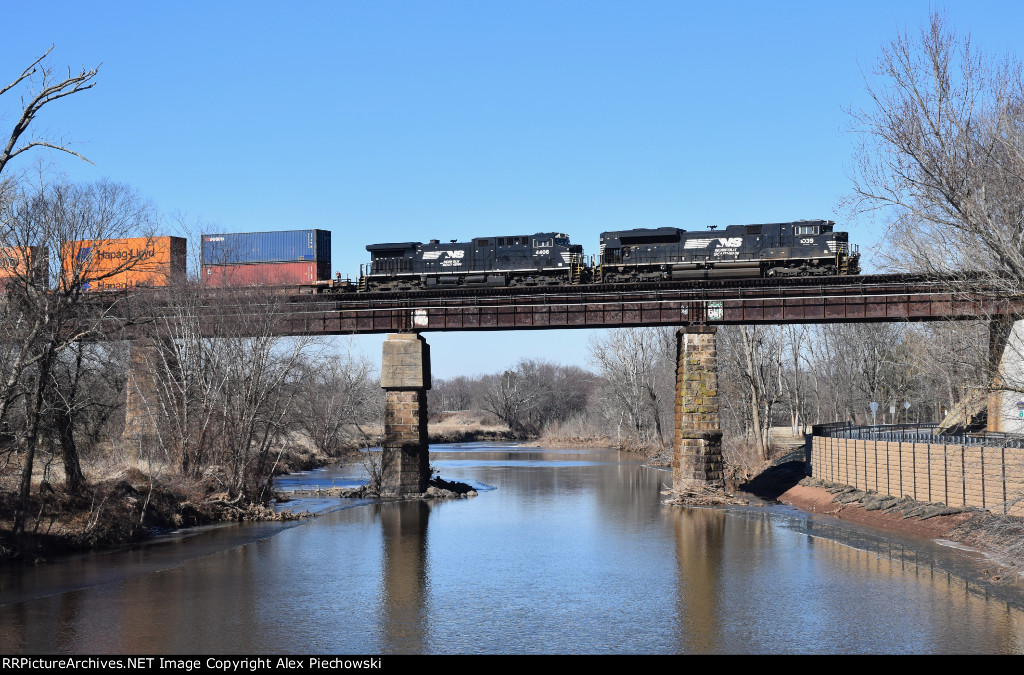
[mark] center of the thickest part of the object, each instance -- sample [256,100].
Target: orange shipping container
[117,264]
[22,262]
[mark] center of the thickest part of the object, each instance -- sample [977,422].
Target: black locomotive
[801,248]
[542,259]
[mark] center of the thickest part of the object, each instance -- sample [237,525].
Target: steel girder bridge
[869,298]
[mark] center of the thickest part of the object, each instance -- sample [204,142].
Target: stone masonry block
[406,362]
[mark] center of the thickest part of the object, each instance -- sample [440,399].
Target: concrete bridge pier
[405,377]
[698,432]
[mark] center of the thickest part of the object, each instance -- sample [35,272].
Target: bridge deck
[837,299]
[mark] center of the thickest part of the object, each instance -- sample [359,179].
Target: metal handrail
[923,432]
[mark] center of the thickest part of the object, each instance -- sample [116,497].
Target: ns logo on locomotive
[801,248]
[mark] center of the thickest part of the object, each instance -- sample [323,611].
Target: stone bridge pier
[146,358]
[405,377]
[698,433]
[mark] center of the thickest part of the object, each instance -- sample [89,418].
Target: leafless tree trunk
[794,340]
[758,360]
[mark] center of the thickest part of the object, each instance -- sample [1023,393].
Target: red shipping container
[265,274]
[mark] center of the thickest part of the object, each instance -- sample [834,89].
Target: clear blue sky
[397,121]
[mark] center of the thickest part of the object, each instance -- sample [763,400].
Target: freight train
[801,248]
[301,259]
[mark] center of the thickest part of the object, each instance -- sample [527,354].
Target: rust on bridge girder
[876,299]
[672,307]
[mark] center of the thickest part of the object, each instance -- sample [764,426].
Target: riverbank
[818,499]
[125,508]
[124,503]
[999,538]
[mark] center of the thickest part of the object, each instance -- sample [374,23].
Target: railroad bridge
[696,307]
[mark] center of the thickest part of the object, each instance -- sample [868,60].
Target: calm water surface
[563,551]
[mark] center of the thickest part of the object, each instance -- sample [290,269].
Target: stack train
[801,248]
[300,260]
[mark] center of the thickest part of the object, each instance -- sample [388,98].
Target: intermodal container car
[265,274]
[117,264]
[267,247]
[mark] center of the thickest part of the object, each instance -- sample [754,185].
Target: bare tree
[226,384]
[942,154]
[45,86]
[46,309]
[506,396]
[942,161]
[761,370]
[339,393]
[638,366]
[534,394]
[452,394]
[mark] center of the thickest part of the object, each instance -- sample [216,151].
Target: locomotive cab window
[803,230]
[537,243]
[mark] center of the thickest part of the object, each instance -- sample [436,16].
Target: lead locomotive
[802,248]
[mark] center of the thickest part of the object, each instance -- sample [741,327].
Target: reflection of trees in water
[630,486]
[747,585]
[197,608]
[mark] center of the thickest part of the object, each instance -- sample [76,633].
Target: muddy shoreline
[813,499]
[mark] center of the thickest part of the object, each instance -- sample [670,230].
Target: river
[563,551]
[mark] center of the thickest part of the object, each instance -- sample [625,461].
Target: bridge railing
[925,432]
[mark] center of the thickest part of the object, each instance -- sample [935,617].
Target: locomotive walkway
[697,306]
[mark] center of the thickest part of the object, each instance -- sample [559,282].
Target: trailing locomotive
[541,259]
[802,248]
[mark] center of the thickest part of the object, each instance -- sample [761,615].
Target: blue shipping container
[264,247]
